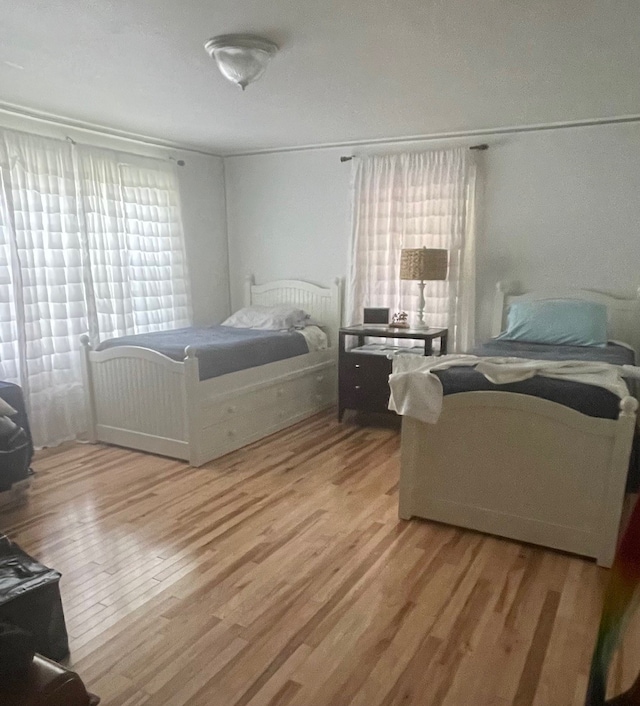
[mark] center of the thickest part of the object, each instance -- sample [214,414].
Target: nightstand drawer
[370,400]
[363,367]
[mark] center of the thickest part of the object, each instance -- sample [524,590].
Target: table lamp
[423,265]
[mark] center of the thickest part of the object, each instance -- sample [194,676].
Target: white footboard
[520,467]
[138,398]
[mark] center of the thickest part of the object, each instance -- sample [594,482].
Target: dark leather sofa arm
[46,684]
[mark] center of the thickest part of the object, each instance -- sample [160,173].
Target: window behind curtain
[414,200]
[81,249]
[135,240]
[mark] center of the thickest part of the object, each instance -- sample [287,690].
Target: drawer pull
[357,387]
[319,378]
[357,365]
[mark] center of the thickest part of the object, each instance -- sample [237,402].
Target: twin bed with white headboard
[525,467]
[141,399]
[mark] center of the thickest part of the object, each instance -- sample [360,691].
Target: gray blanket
[588,399]
[611,353]
[219,349]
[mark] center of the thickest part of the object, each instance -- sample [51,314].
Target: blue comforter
[219,349]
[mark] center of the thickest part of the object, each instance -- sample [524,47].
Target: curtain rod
[480,148]
[100,131]
[70,140]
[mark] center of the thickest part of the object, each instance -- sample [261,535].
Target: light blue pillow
[570,322]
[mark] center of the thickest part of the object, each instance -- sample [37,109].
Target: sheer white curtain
[131,214]
[80,250]
[45,311]
[414,200]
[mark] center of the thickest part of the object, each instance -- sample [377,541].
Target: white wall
[287,217]
[560,207]
[202,193]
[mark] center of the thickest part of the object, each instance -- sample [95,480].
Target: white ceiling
[348,69]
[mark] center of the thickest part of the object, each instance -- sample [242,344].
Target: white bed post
[336,316]
[192,404]
[249,282]
[87,383]
[498,309]
[613,501]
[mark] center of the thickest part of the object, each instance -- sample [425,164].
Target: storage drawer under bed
[238,419]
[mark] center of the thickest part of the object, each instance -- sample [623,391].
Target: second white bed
[524,467]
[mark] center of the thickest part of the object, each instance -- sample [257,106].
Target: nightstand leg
[444,339]
[340,413]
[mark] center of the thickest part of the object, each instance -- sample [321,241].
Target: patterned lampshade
[424,264]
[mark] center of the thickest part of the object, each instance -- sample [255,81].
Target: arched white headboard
[324,304]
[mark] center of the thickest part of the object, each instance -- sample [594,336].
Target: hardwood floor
[280,575]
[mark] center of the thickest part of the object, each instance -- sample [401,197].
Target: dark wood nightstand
[364,371]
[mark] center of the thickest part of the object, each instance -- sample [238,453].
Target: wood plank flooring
[280,575]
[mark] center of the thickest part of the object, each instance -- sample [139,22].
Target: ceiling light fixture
[241,58]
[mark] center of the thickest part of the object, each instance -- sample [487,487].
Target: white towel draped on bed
[417,392]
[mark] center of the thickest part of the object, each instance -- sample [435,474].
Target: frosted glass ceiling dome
[241,58]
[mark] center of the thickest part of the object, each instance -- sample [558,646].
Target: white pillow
[267,318]
[309,321]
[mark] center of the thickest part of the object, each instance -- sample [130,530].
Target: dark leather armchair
[46,684]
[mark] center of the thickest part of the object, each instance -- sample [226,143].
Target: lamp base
[421,322]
